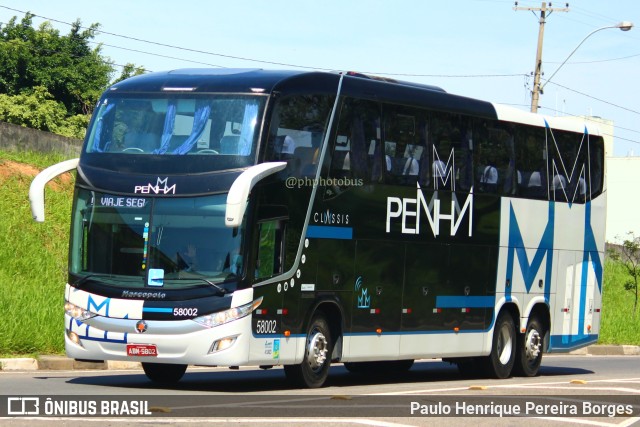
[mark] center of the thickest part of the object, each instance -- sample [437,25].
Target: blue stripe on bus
[328,232]
[564,343]
[465,302]
[156,310]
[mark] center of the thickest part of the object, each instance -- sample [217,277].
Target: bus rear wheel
[529,354]
[314,369]
[500,361]
[164,373]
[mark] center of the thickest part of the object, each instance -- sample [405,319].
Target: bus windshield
[165,242]
[176,124]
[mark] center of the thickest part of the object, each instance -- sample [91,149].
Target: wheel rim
[317,350]
[533,345]
[505,344]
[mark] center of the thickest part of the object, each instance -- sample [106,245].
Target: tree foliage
[629,255]
[50,81]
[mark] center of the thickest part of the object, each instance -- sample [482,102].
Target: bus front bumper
[178,342]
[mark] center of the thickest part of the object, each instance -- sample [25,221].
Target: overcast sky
[478,48]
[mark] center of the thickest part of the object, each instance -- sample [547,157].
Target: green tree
[65,65]
[628,254]
[129,70]
[38,110]
[62,71]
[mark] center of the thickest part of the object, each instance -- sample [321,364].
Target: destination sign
[122,202]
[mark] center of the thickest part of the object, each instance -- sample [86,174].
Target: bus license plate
[141,350]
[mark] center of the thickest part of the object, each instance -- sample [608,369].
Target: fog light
[222,344]
[74,338]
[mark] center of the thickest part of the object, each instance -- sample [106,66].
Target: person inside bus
[188,258]
[559,187]
[411,167]
[288,147]
[489,179]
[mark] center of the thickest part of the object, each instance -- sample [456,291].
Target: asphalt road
[432,390]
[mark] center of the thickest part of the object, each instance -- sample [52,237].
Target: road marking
[579,421]
[556,384]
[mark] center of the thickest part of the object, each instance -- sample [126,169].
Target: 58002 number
[266,327]
[185,312]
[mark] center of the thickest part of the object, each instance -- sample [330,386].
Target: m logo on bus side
[161,187]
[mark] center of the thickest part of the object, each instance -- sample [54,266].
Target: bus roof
[573,124]
[257,81]
[235,79]
[209,80]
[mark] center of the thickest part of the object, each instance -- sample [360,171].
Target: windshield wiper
[89,276]
[219,288]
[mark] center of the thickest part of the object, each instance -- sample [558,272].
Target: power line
[165,45]
[51,52]
[250,59]
[586,118]
[597,99]
[597,61]
[203,52]
[157,54]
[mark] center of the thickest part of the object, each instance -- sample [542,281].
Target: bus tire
[164,373]
[500,361]
[314,369]
[530,348]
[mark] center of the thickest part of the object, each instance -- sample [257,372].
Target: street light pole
[623,26]
[535,92]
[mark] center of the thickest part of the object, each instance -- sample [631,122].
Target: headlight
[78,313]
[226,316]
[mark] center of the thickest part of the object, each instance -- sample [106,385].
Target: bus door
[267,321]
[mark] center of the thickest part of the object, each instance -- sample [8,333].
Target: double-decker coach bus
[285,218]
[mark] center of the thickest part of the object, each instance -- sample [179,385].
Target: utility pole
[535,92]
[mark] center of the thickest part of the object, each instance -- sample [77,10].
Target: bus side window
[297,132]
[495,163]
[356,152]
[442,136]
[450,140]
[596,166]
[404,146]
[531,159]
[568,166]
[269,259]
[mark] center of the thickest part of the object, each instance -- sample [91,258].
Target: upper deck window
[212,125]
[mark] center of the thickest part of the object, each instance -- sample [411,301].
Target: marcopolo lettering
[144,295]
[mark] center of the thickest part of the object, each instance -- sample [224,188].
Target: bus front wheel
[314,369]
[529,355]
[499,363]
[164,373]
